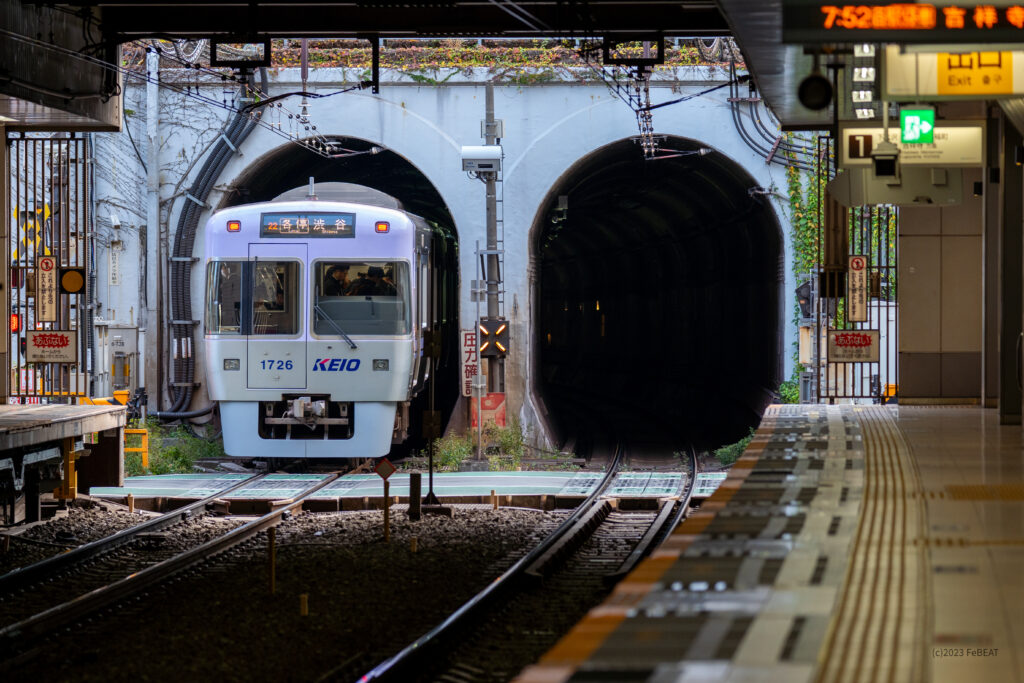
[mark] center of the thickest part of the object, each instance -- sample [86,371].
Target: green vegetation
[172,450]
[450,450]
[727,455]
[506,446]
[789,390]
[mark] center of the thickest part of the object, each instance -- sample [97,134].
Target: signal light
[71,280]
[15,322]
[382,226]
[234,226]
[494,338]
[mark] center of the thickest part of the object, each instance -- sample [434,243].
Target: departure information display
[311,224]
[814,22]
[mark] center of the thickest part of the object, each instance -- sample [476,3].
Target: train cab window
[275,297]
[361,297]
[224,297]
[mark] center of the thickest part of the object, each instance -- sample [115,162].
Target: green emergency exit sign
[917,126]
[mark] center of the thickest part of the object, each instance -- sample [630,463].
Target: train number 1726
[276,364]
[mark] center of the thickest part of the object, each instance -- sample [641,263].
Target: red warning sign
[384,468]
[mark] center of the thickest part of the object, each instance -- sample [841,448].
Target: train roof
[342,192]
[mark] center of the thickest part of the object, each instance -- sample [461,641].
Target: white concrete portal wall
[549,128]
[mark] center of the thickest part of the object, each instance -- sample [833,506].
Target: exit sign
[917,126]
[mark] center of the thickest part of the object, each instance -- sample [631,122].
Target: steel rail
[44,569]
[398,668]
[662,526]
[20,635]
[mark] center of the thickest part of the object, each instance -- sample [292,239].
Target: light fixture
[863,74]
[864,50]
[234,226]
[381,226]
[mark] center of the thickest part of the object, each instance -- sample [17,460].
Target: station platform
[361,491]
[849,543]
[41,446]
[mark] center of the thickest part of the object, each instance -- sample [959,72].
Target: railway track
[97,578]
[521,615]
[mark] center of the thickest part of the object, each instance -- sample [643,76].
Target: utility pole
[495,364]
[149,323]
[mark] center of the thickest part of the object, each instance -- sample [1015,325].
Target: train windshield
[275,297]
[224,297]
[361,297]
[253,297]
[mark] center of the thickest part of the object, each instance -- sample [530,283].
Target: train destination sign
[809,22]
[308,224]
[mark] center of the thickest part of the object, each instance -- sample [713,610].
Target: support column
[990,240]
[5,274]
[149,324]
[1011,253]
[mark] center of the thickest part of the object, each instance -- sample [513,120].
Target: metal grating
[48,196]
[871,232]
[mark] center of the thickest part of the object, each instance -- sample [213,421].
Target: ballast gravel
[74,527]
[366,600]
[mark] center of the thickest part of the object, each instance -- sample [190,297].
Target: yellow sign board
[974,73]
[952,75]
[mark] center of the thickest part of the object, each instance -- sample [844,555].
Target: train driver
[336,283]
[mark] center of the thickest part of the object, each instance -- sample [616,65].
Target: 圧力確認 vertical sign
[46,289]
[857,289]
[810,23]
[470,367]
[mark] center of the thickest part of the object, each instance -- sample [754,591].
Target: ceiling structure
[755,23]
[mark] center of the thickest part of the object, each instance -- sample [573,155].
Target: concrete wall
[549,127]
[940,298]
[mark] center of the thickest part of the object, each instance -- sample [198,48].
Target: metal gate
[48,194]
[856,317]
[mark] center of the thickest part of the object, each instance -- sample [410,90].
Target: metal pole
[148,321]
[476,383]
[495,374]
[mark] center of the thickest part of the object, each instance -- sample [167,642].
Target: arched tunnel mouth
[659,298]
[288,168]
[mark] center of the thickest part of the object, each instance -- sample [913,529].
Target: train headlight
[234,226]
[380,364]
[382,226]
[232,364]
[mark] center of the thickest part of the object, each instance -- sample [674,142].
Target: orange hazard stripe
[583,640]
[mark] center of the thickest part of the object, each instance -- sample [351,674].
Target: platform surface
[849,543]
[28,425]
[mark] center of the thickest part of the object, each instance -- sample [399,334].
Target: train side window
[223,297]
[275,297]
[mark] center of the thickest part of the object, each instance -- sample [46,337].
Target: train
[325,322]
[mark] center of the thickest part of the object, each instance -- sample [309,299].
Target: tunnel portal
[658,297]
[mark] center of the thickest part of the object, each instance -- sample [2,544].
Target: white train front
[314,320]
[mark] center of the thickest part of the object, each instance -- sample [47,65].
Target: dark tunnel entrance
[658,297]
[289,167]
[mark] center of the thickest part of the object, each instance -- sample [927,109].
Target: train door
[276,342]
